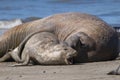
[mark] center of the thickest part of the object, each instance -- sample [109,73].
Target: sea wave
[6,24]
[10,23]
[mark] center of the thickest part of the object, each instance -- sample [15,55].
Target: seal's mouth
[69,58]
[69,61]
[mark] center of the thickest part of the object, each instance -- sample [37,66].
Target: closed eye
[65,49]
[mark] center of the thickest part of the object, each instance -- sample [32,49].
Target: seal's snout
[70,56]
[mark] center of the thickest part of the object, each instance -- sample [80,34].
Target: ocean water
[108,10]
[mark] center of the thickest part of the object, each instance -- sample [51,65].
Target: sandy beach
[107,10]
[86,71]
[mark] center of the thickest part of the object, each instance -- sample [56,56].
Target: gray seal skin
[44,48]
[65,26]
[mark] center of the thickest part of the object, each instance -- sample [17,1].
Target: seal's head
[66,53]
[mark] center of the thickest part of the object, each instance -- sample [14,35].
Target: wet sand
[86,71]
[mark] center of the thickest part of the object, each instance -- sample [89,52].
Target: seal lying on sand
[44,48]
[64,26]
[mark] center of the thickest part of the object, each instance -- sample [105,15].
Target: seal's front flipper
[115,72]
[25,62]
[15,56]
[83,44]
[81,40]
[17,65]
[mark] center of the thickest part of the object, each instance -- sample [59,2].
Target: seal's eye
[65,49]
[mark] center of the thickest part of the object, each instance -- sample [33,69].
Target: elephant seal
[44,48]
[65,26]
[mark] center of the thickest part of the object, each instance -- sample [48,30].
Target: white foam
[10,23]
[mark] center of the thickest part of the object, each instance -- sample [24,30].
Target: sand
[86,71]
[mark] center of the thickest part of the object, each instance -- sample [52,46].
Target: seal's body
[44,48]
[65,26]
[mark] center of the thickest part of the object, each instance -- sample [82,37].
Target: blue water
[108,10]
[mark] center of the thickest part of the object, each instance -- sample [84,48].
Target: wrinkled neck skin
[9,41]
[14,36]
[3,47]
